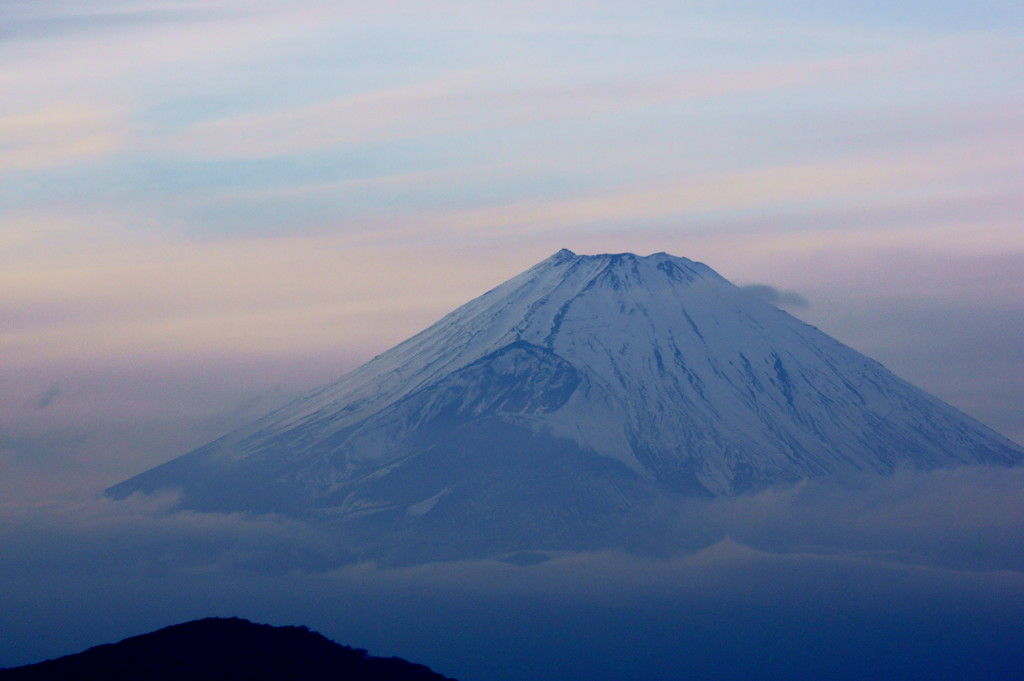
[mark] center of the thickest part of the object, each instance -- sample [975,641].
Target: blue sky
[208,207]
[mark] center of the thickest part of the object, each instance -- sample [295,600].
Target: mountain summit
[553,406]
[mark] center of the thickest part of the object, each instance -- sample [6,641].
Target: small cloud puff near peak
[776,296]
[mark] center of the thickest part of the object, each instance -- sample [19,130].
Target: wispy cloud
[47,398]
[691,196]
[54,20]
[474,100]
[58,135]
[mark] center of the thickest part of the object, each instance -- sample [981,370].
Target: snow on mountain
[547,410]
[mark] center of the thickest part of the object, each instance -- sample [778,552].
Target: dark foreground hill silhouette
[224,650]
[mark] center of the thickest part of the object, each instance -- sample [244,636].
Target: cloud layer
[889,577]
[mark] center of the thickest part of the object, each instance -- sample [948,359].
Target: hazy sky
[207,207]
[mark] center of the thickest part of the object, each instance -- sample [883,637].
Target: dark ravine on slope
[224,649]
[557,410]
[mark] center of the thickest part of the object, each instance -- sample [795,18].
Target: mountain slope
[550,410]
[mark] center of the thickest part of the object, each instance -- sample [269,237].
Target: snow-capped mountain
[546,411]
